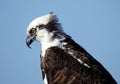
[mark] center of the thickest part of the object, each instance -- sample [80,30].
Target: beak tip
[29,42]
[29,46]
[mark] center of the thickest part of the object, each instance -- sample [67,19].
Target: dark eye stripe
[41,26]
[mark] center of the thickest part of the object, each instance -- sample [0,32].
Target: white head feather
[41,20]
[43,35]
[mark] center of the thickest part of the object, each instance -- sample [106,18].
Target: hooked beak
[29,40]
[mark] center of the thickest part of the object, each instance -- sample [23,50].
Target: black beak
[29,40]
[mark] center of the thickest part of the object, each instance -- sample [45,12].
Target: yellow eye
[33,31]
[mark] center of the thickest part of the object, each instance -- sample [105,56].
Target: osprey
[63,61]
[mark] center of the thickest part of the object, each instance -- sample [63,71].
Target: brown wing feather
[61,68]
[76,50]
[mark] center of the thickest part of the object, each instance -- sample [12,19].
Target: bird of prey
[63,61]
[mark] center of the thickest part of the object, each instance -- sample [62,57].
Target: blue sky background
[94,24]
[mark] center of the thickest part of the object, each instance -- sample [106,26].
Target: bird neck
[51,42]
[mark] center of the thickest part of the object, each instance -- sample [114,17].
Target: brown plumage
[62,68]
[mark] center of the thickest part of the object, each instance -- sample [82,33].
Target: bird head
[43,28]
